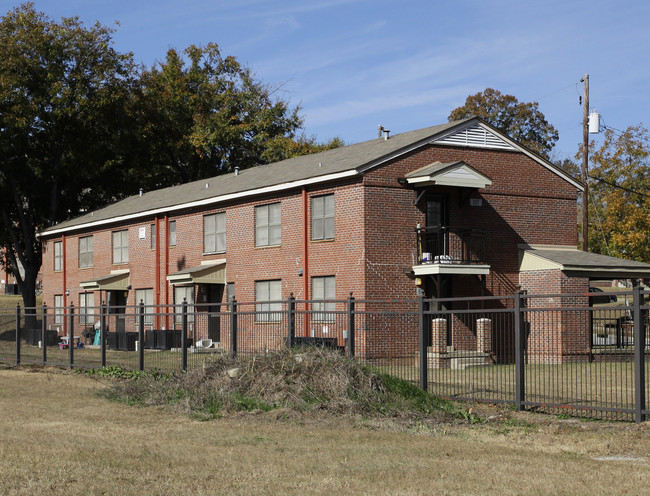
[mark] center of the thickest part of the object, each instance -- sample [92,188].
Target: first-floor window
[267,308]
[145,296]
[184,293]
[324,288]
[86,310]
[58,309]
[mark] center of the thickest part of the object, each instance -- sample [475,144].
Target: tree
[209,114]
[620,195]
[522,121]
[63,90]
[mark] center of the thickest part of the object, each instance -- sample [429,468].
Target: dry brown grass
[60,437]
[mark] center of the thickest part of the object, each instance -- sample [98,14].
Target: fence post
[44,334]
[184,337]
[291,321]
[233,327]
[424,355]
[639,359]
[18,334]
[349,345]
[520,341]
[141,336]
[103,338]
[71,338]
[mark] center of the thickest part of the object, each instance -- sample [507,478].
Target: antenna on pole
[585,165]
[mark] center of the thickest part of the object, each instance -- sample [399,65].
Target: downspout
[166,271]
[64,267]
[305,256]
[157,296]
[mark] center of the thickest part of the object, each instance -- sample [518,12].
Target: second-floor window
[268,225]
[121,247]
[58,255]
[172,233]
[322,217]
[85,252]
[214,233]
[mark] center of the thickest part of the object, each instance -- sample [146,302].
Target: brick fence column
[484,335]
[439,336]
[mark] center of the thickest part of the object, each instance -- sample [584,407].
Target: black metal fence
[553,353]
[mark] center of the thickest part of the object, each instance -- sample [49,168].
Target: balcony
[447,250]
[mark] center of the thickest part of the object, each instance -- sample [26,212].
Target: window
[145,296]
[120,247]
[265,293]
[86,310]
[58,309]
[85,252]
[187,293]
[172,233]
[214,233]
[324,288]
[58,255]
[153,236]
[322,217]
[230,291]
[268,225]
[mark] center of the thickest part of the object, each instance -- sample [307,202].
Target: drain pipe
[305,257]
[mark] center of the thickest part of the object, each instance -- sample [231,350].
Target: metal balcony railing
[450,245]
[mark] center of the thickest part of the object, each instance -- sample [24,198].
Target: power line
[614,185]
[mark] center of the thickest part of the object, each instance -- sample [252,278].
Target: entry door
[116,306]
[214,293]
[436,218]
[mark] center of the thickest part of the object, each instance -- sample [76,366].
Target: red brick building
[445,211]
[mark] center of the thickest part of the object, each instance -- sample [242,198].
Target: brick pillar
[439,336]
[484,335]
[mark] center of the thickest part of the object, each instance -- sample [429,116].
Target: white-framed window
[214,233]
[153,236]
[85,252]
[58,256]
[58,309]
[324,288]
[322,217]
[145,296]
[186,293]
[120,246]
[172,233]
[267,308]
[268,225]
[86,308]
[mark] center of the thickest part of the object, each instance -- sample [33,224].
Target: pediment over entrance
[448,174]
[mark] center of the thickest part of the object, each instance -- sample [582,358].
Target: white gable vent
[474,136]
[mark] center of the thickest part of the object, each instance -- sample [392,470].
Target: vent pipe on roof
[237,171]
[382,129]
[141,191]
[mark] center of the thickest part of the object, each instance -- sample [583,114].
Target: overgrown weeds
[299,380]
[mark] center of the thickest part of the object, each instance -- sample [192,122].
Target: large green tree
[521,121]
[620,195]
[63,90]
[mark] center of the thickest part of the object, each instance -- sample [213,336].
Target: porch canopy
[448,174]
[117,280]
[209,272]
[574,262]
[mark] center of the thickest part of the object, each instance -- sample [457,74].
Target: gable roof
[450,174]
[339,163]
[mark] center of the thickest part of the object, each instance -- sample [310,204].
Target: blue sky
[354,64]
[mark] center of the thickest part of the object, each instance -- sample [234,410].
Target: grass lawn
[60,437]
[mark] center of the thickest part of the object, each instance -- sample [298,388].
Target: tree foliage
[620,195]
[62,92]
[522,121]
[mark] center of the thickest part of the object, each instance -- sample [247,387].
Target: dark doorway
[436,213]
[214,297]
[117,306]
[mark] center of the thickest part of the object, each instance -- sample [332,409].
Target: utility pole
[585,164]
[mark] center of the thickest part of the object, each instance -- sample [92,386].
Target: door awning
[116,280]
[448,174]
[212,272]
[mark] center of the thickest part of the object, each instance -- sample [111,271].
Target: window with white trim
[324,288]
[58,256]
[267,308]
[121,246]
[85,252]
[58,309]
[184,293]
[145,296]
[86,308]
[322,217]
[172,233]
[268,225]
[214,233]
